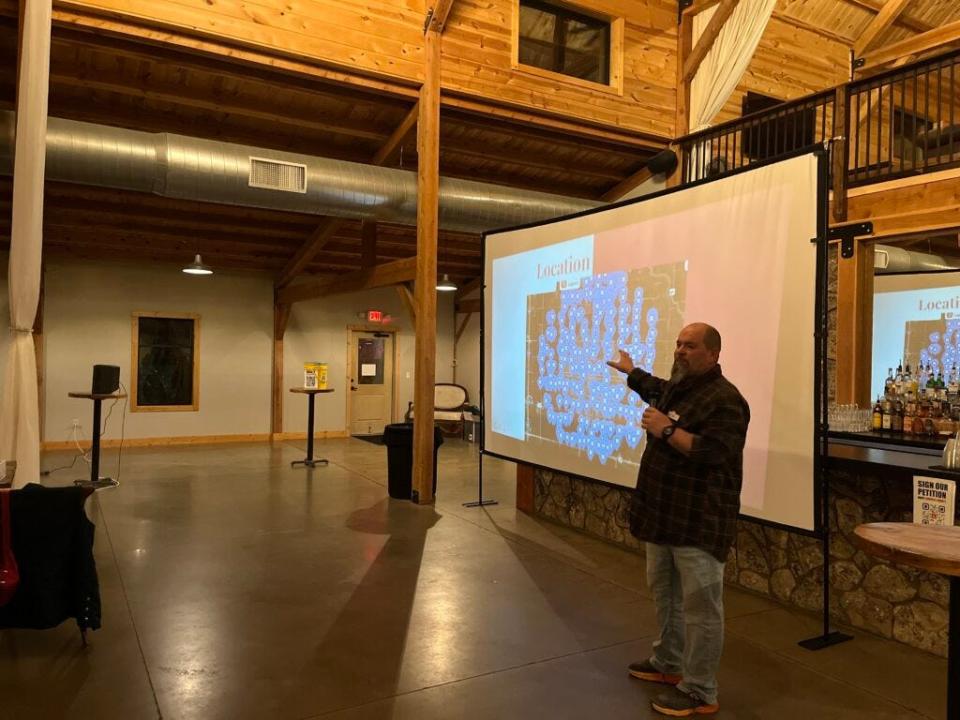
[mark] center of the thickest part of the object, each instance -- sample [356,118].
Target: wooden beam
[912,46]
[397,136]
[692,62]
[329,226]
[212,103]
[368,245]
[883,20]
[468,287]
[281,315]
[428,206]
[438,15]
[305,254]
[467,306]
[383,275]
[625,186]
[915,24]
[409,302]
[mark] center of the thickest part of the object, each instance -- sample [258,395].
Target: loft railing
[900,123]
[758,137]
[905,121]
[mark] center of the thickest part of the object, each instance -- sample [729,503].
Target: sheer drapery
[728,58]
[20,412]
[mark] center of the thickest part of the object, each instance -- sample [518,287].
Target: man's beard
[679,371]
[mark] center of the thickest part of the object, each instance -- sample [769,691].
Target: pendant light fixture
[197,267]
[445,285]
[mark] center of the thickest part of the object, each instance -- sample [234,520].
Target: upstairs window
[555,38]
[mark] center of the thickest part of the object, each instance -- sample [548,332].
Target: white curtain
[721,69]
[19,412]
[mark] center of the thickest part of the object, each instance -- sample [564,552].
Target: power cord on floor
[81,453]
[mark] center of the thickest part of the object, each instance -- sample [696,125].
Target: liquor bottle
[953,386]
[887,419]
[896,421]
[889,385]
[878,416]
[931,380]
[898,380]
[909,413]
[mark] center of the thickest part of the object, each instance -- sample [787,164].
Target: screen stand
[826,638]
[480,502]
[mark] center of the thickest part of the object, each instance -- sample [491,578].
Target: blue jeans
[687,587]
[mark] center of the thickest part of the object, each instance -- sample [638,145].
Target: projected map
[572,398]
[934,344]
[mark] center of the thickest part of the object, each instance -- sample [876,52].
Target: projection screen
[560,298]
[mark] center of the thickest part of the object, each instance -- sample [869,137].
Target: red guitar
[9,574]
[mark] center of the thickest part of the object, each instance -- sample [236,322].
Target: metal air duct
[191,168]
[892,259]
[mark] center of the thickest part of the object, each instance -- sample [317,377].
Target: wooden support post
[409,302]
[839,166]
[854,324]
[428,196]
[281,315]
[525,488]
[682,122]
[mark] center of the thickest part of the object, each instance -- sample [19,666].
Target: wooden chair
[449,403]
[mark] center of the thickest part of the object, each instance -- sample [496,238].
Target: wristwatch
[667,431]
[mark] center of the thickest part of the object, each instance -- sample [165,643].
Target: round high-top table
[310,393]
[929,547]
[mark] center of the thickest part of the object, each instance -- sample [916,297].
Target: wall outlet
[75,423]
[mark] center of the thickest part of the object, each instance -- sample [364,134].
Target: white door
[371,382]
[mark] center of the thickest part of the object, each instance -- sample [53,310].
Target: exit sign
[374,316]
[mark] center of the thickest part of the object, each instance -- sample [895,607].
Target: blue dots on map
[942,353]
[590,407]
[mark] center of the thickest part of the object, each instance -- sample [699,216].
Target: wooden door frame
[395,392]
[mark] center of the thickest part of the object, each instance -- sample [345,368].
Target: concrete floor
[236,587]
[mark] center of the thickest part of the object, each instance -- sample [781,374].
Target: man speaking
[685,508]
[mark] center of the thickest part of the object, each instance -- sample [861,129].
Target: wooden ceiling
[101,79]
[104,79]
[847,20]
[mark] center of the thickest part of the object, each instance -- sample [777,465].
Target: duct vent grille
[277,175]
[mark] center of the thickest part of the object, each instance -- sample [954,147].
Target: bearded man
[685,509]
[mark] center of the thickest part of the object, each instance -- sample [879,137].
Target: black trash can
[399,441]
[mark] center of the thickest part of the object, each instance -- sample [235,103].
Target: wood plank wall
[790,62]
[384,38]
[478,60]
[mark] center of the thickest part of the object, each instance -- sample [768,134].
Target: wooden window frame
[614,85]
[135,362]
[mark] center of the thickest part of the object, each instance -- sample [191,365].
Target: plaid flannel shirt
[692,499]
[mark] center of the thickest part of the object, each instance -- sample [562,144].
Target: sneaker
[646,671]
[677,703]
